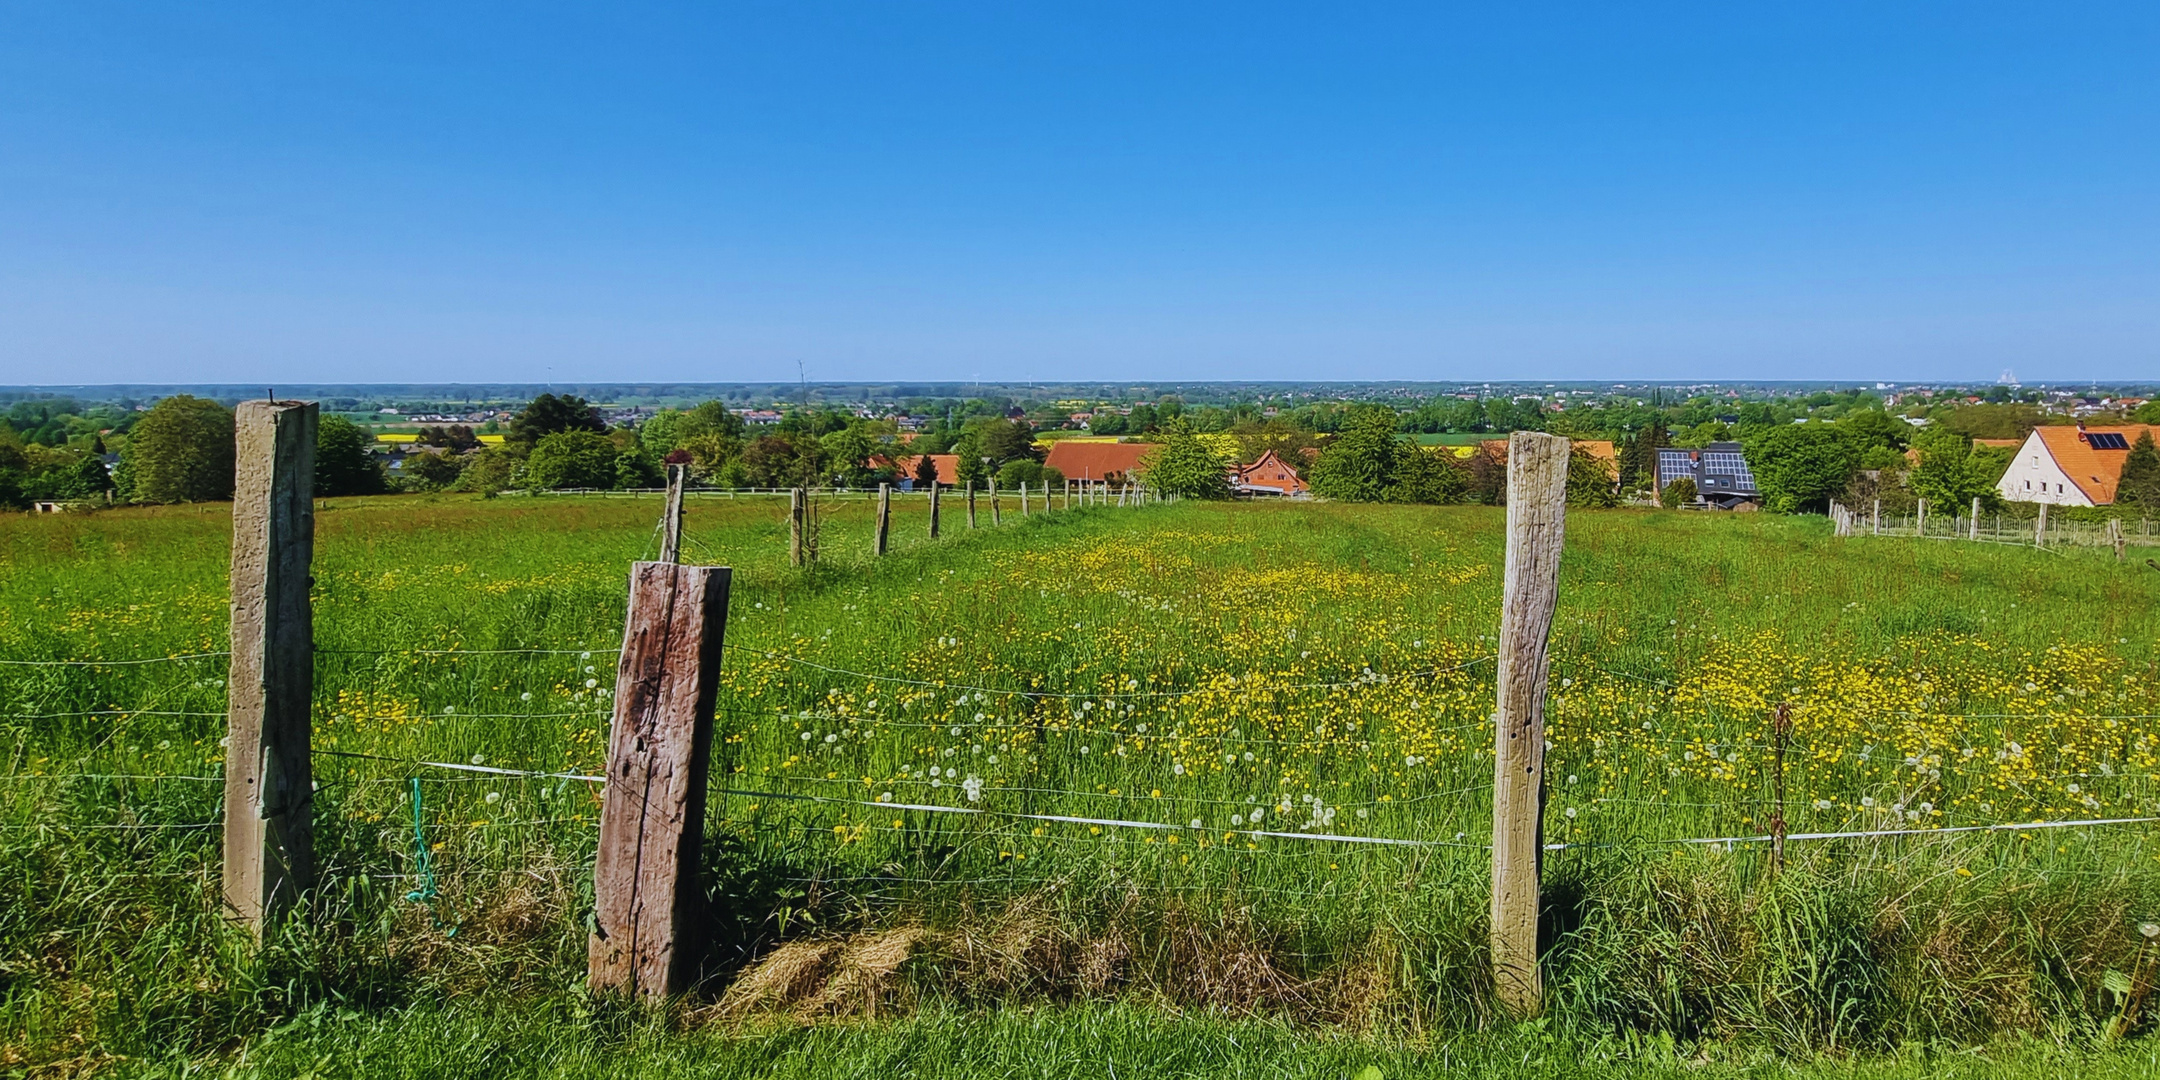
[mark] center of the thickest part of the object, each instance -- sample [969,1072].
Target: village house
[2071,466]
[948,470]
[1719,470]
[1097,462]
[1269,475]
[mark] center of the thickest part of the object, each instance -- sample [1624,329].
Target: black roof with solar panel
[1720,472]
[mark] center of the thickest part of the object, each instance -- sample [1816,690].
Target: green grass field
[1230,696]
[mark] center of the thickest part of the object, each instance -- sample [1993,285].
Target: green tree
[1006,440]
[1359,466]
[926,471]
[549,415]
[847,452]
[2139,484]
[491,470]
[572,459]
[1425,476]
[343,465]
[1800,467]
[1186,466]
[1590,482]
[432,470]
[181,451]
[1949,475]
[1677,494]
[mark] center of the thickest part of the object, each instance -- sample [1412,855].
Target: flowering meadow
[1231,756]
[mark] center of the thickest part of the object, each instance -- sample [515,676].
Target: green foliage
[181,451]
[1005,440]
[550,415]
[1426,475]
[2139,484]
[492,469]
[2148,413]
[1677,494]
[1800,467]
[1950,475]
[433,470]
[1185,466]
[1590,482]
[847,455]
[1359,466]
[343,463]
[572,459]
[1031,473]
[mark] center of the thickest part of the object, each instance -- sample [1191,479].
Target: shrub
[1677,494]
[572,459]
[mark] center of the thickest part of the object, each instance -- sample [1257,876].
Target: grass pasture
[1210,689]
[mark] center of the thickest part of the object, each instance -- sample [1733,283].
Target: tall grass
[1321,665]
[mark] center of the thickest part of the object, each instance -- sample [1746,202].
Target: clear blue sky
[302,192]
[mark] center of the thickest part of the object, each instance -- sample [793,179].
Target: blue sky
[380,192]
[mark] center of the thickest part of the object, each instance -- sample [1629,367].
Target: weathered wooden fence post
[652,817]
[1536,520]
[1068,493]
[1975,535]
[971,503]
[934,485]
[997,517]
[884,519]
[1920,509]
[796,512]
[2115,537]
[2040,528]
[269,858]
[1878,517]
[671,522]
[1046,496]
[1023,498]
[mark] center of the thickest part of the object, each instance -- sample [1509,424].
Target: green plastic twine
[424,863]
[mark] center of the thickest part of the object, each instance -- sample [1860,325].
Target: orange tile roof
[1095,460]
[2095,472]
[1601,449]
[948,467]
[1271,473]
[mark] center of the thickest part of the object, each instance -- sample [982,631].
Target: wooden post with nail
[652,816]
[1536,523]
[269,850]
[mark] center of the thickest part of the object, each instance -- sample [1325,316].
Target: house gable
[2062,466]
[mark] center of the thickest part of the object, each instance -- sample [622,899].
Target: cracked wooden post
[2040,528]
[1536,519]
[652,817]
[671,522]
[1975,531]
[933,509]
[996,518]
[884,519]
[971,503]
[269,856]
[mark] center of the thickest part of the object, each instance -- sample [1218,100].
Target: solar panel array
[2106,440]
